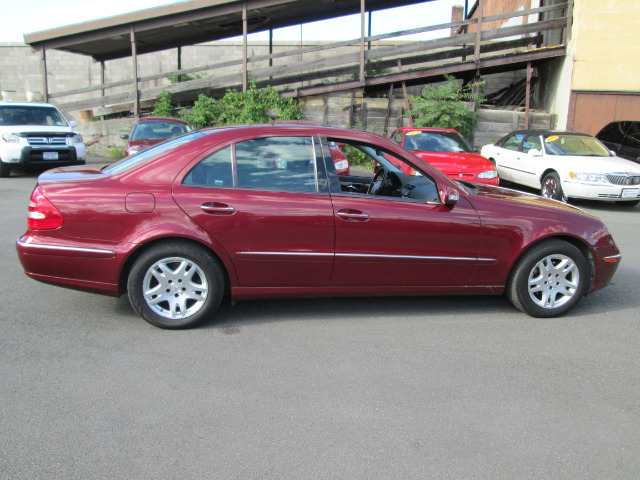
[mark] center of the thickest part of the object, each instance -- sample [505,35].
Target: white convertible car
[565,165]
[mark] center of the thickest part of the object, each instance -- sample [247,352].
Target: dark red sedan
[151,131]
[260,212]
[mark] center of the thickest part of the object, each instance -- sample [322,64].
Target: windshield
[578,145]
[158,130]
[417,141]
[130,162]
[28,115]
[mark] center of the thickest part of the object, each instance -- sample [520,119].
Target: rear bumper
[88,267]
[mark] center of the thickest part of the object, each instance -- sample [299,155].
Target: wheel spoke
[175,288]
[553,281]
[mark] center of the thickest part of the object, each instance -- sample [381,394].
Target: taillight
[42,214]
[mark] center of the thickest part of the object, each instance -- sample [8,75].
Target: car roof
[161,119]
[427,129]
[307,127]
[26,104]
[547,132]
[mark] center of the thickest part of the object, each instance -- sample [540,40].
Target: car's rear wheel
[551,187]
[176,285]
[549,279]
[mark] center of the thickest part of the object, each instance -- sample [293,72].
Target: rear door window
[268,163]
[513,142]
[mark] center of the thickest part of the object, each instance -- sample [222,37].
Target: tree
[445,106]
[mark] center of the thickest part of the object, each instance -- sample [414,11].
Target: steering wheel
[378,181]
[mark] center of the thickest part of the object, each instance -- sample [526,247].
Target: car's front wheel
[176,285]
[551,187]
[4,169]
[549,279]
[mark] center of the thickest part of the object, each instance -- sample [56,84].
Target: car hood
[456,163]
[524,199]
[145,142]
[35,129]
[596,164]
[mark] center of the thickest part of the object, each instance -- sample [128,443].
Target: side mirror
[73,124]
[534,152]
[124,136]
[450,197]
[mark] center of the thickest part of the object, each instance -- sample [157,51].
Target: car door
[506,156]
[395,241]
[266,203]
[530,163]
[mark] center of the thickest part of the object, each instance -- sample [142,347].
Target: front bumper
[601,191]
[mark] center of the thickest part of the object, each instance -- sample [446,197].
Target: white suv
[36,135]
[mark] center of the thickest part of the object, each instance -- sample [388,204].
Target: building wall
[605,82]
[605,36]
[496,7]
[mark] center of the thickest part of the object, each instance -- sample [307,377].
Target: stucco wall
[605,38]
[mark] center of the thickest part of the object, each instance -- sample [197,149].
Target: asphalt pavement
[369,388]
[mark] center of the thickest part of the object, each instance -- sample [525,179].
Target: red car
[260,212]
[151,131]
[449,152]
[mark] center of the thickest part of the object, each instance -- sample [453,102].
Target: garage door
[590,111]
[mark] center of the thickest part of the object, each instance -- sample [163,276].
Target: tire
[632,203]
[551,187]
[176,285]
[4,170]
[549,279]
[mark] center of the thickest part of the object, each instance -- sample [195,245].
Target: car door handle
[216,208]
[356,215]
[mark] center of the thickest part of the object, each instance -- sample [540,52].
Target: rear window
[134,160]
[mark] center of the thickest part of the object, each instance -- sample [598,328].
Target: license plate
[50,156]
[629,193]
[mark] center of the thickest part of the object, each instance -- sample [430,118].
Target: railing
[457,53]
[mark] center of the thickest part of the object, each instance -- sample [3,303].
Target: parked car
[565,165]
[339,159]
[622,138]
[150,131]
[260,212]
[449,152]
[37,136]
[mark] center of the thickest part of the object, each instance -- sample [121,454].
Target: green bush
[258,105]
[115,153]
[163,107]
[444,106]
